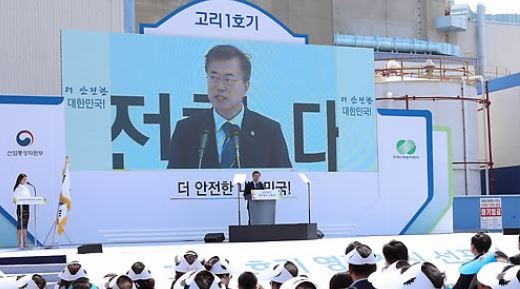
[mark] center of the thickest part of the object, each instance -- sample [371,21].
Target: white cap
[8,283]
[278,274]
[26,282]
[489,273]
[144,275]
[296,281]
[414,278]
[221,266]
[355,258]
[508,279]
[111,282]
[187,281]
[67,276]
[182,265]
[386,279]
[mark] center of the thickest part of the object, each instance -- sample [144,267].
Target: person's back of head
[204,279]
[299,282]
[394,251]
[282,274]
[362,262]
[434,274]
[351,246]
[340,280]
[306,285]
[141,276]
[82,283]
[480,243]
[31,281]
[247,280]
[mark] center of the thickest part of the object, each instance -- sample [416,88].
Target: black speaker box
[90,248]
[214,238]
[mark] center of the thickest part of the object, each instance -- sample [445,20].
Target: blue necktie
[228,157]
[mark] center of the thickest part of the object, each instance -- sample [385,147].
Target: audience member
[141,276]
[480,245]
[340,281]
[247,280]
[361,263]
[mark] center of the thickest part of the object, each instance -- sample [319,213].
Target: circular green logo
[406,147]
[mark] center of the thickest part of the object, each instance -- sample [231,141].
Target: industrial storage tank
[448,88]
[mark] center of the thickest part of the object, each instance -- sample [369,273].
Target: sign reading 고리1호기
[306,107]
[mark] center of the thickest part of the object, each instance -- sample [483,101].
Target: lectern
[262,206]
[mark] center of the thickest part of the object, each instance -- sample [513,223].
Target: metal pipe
[481,24]
[464,148]
[396,44]
[490,151]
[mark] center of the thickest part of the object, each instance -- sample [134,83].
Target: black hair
[402,265]
[306,285]
[81,283]
[366,269]
[18,180]
[255,172]
[39,280]
[227,52]
[394,251]
[138,268]
[436,277]
[340,280]
[500,254]
[351,246]
[247,280]
[204,279]
[123,279]
[482,242]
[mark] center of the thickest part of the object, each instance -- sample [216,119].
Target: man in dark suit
[256,184]
[207,139]
[361,263]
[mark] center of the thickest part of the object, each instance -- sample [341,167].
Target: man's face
[256,178]
[226,86]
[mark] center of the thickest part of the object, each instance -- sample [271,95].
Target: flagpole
[54,226]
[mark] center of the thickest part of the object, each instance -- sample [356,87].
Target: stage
[319,259]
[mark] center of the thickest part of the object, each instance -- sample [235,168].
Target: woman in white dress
[22,211]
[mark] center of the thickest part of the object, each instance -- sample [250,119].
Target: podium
[31,201]
[262,206]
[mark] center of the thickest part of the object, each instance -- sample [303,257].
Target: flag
[65,201]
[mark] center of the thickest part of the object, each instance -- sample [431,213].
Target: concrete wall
[503,44]
[30,54]
[301,16]
[395,18]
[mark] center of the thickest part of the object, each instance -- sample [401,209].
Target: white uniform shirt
[22,191]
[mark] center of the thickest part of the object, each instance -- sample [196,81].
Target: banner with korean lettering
[143,102]
[32,142]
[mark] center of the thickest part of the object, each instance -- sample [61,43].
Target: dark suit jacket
[251,186]
[262,144]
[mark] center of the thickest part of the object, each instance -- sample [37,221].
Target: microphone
[203,143]
[235,136]
[29,183]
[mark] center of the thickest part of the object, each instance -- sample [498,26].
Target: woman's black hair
[18,180]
